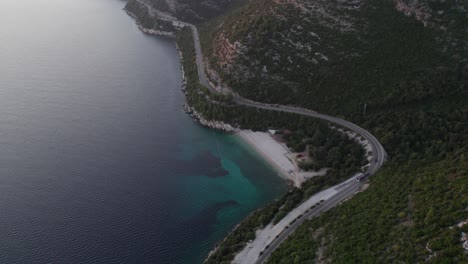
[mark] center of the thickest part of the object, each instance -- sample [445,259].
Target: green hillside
[410,211]
[397,68]
[334,56]
[411,74]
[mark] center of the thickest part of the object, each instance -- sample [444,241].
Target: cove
[98,161]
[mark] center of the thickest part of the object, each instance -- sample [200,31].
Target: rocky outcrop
[218,125]
[414,8]
[147,21]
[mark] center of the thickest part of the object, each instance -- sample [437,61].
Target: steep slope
[190,10]
[308,52]
[397,68]
[414,208]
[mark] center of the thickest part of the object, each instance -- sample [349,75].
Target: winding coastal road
[378,152]
[343,190]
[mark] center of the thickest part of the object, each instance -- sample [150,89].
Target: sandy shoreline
[284,161]
[278,155]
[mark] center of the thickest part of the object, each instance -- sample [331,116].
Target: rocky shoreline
[217,125]
[148,31]
[213,124]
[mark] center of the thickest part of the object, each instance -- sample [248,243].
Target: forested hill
[336,56]
[399,68]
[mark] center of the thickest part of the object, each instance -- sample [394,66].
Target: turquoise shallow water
[98,162]
[250,182]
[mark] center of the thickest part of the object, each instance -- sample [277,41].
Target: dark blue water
[98,162]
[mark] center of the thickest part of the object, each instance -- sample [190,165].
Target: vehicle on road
[359,176]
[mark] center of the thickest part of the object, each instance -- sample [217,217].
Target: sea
[98,161]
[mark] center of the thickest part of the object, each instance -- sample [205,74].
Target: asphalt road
[323,207]
[378,150]
[379,154]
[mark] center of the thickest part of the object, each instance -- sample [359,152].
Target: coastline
[213,124]
[277,155]
[272,152]
[148,31]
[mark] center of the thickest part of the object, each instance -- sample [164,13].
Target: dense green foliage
[414,202]
[201,10]
[345,159]
[327,147]
[423,134]
[299,249]
[406,208]
[374,62]
[413,80]
[145,19]
[274,211]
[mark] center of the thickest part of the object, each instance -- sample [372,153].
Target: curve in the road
[379,154]
[325,206]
